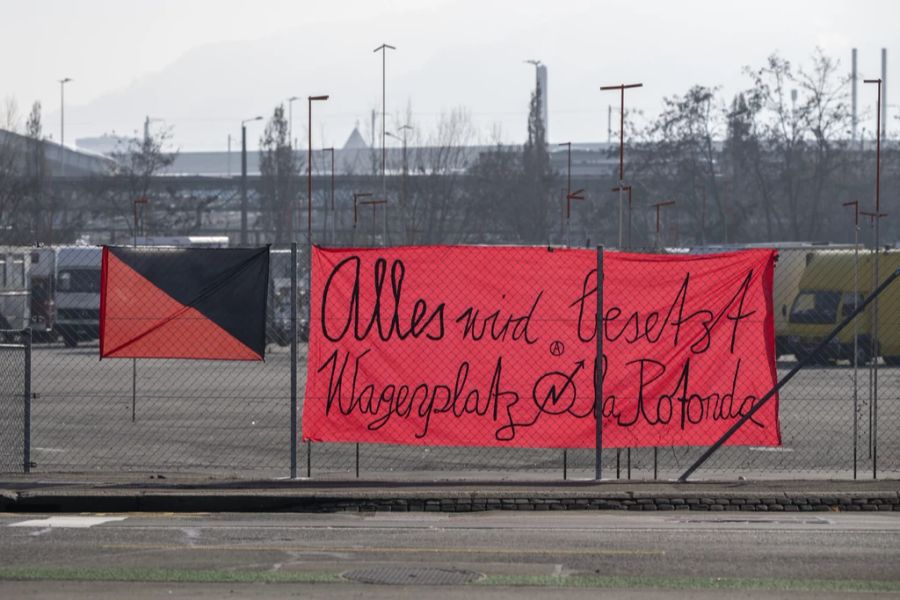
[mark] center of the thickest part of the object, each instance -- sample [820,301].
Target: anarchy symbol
[557,348]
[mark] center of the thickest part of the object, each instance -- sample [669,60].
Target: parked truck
[828,294]
[78,294]
[65,287]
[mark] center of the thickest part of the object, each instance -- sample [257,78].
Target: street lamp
[570,195]
[309,171]
[374,204]
[62,123]
[333,214]
[620,189]
[658,206]
[244,177]
[621,87]
[383,48]
[356,197]
[290,102]
[876,218]
[404,129]
[62,109]
[855,205]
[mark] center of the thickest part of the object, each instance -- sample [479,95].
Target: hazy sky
[203,65]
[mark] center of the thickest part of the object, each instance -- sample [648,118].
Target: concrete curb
[304,496]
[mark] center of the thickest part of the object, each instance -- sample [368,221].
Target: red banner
[496,346]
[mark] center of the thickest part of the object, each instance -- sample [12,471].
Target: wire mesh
[149,414]
[234,417]
[12,402]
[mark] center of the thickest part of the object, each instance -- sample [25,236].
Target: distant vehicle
[65,286]
[65,290]
[827,296]
[75,272]
[184,241]
[15,308]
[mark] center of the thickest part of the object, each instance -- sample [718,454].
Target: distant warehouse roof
[61,160]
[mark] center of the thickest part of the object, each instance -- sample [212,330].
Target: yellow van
[827,296]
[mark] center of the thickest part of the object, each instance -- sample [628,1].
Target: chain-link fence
[838,418]
[15,400]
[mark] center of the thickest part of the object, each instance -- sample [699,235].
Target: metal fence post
[876,347]
[598,372]
[294,360]
[26,438]
[308,326]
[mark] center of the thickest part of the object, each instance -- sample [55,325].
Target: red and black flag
[207,303]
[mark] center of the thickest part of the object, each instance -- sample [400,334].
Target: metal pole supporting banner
[26,397]
[308,324]
[598,372]
[293,360]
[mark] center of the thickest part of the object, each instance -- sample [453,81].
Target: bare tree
[278,170]
[137,162]
[9,115]
[433,209]
[800,120]
[680,149]
[38,205]
[530,218]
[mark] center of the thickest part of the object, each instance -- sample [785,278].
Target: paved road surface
[829,555]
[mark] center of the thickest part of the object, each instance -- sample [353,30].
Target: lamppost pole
[658,206]
[62,123]
[621,87]
[620,189]
[62,110]
[290,102]
[404,129]
[293,148]
[356,197]
[876,217]
[570,195]
[244,177]
[373,204]
[309,171]
[855,205]
[873,340]
[402,140]
[383,48]
[330,213]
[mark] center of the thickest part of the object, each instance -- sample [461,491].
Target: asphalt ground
[233,419]
[493,555]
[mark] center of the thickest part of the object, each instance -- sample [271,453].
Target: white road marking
[67,522]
